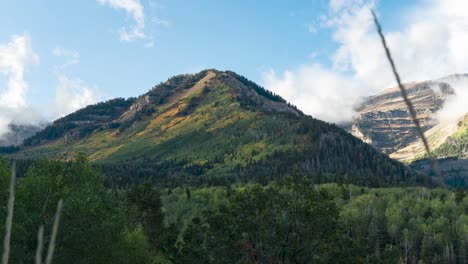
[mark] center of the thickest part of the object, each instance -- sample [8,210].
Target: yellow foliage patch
[160,119]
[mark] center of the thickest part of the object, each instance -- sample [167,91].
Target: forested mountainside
[209,128]
[456,144]
[451,153]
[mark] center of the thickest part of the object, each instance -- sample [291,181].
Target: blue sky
[235,35]
[269,42]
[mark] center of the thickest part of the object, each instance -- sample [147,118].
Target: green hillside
[457,144]
[210,128]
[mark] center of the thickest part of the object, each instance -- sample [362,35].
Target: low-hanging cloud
[317,90]
[423,49]
[456,106]
[15,57]
[72,94]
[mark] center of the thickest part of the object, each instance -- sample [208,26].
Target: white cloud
[72,56]
[4,122]
[136,11]
[315,90]
[161,22]
[432,44]
[71,93]
[15,57]
[455,106]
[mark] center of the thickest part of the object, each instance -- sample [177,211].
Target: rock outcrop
[384,121]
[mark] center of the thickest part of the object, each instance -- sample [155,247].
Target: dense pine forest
[290,220]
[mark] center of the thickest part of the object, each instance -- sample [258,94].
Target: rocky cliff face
[384,121]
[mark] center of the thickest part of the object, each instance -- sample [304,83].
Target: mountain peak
[211,123]
[180,93]
[246,91]
[384,121]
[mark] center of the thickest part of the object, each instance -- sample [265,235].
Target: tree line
[290,220]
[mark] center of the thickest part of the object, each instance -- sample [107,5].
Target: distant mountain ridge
[212,127]
[384,122]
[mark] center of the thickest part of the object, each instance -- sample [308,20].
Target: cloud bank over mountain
[15,57]
[424,48]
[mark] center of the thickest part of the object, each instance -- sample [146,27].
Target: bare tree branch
[408,103]
[40,245]
[50,251]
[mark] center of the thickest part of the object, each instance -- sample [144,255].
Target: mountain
[212,127]
[384,121]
